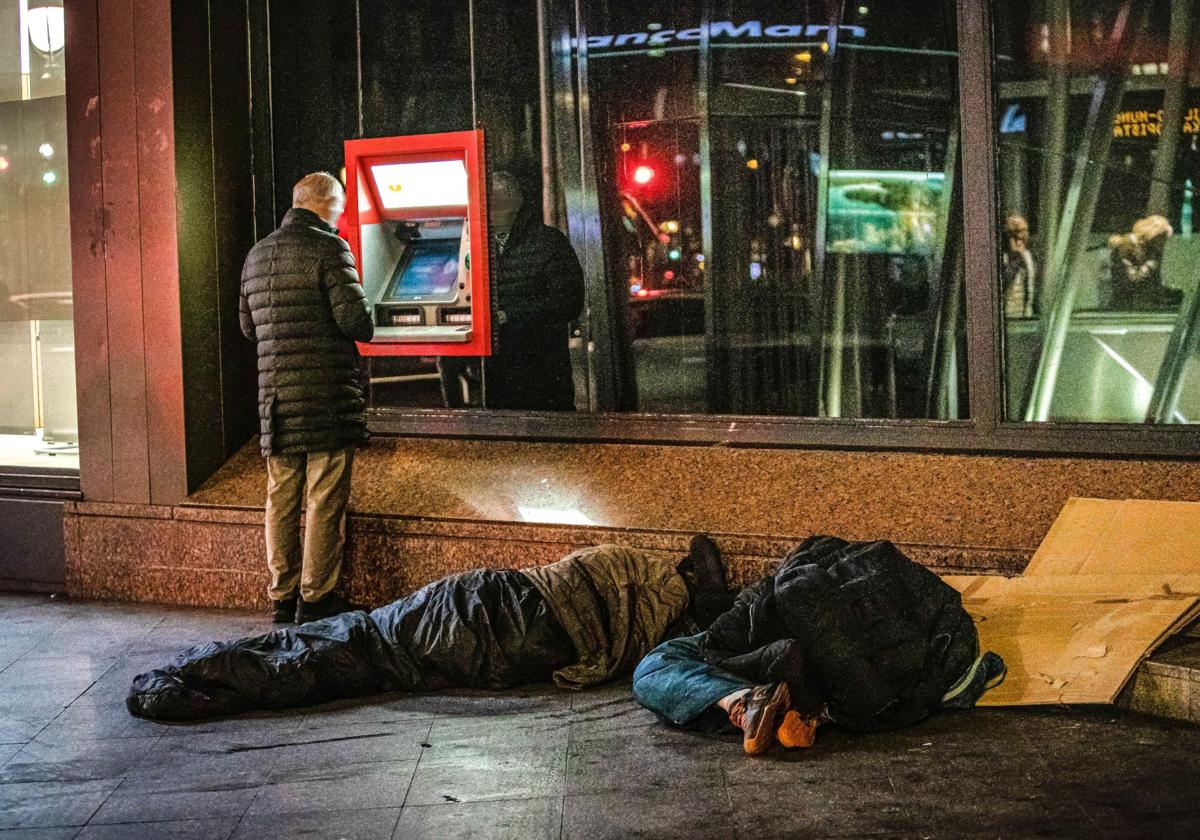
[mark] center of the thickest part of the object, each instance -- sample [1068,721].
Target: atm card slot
[399,316]
[455,316]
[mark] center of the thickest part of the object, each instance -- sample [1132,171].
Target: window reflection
[646,315]
[775,196]
[764,197]
[1098,118]
[38,426]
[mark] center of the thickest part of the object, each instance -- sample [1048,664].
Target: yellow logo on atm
[432,183]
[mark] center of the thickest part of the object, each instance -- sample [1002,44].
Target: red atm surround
[364,207]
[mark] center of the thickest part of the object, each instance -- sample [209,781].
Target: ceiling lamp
[44,25]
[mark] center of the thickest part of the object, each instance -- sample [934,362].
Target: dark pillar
[214,168]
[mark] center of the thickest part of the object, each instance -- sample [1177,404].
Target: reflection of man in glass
[1136,267]
[1017,273]
[538,285]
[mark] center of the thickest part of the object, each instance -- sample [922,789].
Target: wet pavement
[529,764]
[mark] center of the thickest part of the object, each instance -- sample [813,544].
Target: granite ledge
[1003,502]
[768,548]
[219,514]
[220,564]
[119,510]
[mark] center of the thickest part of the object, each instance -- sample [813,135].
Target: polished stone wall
[424,508]
[969,501]
[211,556]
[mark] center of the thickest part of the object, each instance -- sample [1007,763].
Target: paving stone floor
[529,764]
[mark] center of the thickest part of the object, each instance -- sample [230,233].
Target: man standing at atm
[302,306]
[538,284]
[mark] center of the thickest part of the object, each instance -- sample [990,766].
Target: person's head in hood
[505,201]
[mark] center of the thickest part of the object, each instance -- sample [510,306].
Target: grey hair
[316,189]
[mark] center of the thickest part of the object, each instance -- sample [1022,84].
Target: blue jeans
[676,683]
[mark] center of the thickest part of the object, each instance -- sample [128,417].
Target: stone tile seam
[1166,671]
[362,522]
[366,518]
[416,768]
[293,814]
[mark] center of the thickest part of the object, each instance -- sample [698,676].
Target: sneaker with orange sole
[797,731]
[758,713]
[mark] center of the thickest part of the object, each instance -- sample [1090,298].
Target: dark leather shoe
[328,606]
[758,714]
[711,596]
[284,612]
[706,557]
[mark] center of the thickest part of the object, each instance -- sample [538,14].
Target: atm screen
[429,269]
[434,183]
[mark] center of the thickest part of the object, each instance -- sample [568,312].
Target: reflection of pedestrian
[538,285]
[1136,267]
[1018,275]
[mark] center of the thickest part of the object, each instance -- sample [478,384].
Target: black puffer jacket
[538,284]
[302,305]
[858,627]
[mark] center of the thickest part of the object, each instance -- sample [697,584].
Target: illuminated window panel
[407,186]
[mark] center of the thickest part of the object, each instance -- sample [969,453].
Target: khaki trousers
[325,478]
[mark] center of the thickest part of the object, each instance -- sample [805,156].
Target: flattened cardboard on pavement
[1111,581]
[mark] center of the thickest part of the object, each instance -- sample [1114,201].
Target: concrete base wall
[31,544]
[1168,684]
[215,557]
[425,508]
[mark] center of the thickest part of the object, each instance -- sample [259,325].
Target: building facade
[917,271]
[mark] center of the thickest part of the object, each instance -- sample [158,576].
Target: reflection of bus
[883,212]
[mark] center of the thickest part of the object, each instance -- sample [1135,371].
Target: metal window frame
[40,482]
[987,430]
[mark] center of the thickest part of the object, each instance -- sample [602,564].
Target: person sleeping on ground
[586,619]
[851,633]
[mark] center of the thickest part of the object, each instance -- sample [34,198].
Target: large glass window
[1098,114]
[836,282]
[378,68]
[764,196]
[38,425]
[775,186]
[766,201]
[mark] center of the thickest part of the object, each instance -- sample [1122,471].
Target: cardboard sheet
[1111,582]
[1072,536]
[1136,536]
